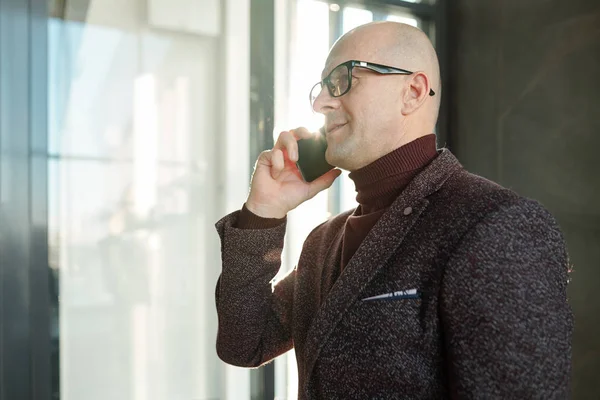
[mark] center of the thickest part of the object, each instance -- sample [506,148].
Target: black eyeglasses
[339,80]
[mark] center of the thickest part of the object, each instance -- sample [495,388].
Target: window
[133,193]
[353,17]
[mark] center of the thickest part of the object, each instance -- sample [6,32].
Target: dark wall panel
[526,102]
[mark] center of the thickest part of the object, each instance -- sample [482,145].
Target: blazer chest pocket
[393,315]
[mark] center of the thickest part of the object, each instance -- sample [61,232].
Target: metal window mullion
[43,387]
[262,119]
[15,234]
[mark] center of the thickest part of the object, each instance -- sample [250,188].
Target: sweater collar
[392,172]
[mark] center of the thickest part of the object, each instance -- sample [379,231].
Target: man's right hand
[277,185]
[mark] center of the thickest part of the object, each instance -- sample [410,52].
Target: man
[440,284]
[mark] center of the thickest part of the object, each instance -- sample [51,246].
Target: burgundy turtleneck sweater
[377,186]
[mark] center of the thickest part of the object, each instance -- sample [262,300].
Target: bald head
[378,112]
[394,44]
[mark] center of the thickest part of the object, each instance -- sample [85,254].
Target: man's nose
[325,102]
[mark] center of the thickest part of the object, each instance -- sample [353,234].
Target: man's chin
[331,158]
[337,160]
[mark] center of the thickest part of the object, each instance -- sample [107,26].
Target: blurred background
[129,127]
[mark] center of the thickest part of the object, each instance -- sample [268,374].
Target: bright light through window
[404,20]
[354,17]
[308,58]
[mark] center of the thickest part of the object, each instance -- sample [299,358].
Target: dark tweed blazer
[476,305]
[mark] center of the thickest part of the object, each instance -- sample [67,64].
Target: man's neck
[380,182]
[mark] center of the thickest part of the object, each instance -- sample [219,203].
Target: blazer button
[407,210]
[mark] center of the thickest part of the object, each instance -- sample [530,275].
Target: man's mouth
[334,127]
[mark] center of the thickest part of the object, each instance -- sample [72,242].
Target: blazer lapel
[331,265]
[379,245]
[372,254]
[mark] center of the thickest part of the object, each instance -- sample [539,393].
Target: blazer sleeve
[506,322]
[254,318]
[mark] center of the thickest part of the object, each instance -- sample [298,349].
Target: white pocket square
[401,294]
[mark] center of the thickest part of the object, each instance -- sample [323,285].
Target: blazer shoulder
[467,199]
[469,192]
[487,200]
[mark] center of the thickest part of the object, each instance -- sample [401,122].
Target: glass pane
[354,17]
[128,291]
[404,19]
[93,95]
[132,191]
[311,46]
[347,192]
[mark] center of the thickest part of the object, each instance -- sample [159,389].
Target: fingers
[277,163]
[274,160]
[323,182]
[287,141]
[302,133]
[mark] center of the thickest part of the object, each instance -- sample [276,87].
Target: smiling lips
[333,127]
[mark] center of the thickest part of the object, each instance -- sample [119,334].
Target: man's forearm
[252,317]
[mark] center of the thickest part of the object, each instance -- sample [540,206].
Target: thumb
[323,182]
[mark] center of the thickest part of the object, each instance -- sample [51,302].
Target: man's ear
[416,93]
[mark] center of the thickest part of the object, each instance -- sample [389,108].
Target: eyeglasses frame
[350,64]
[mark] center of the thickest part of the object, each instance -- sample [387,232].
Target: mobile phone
[311,157]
